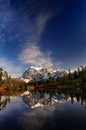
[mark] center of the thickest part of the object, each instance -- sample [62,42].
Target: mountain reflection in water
[52,110]
[38,110]
[40,99]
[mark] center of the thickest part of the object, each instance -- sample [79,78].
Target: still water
[43,111]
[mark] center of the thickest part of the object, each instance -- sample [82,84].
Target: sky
[51,33]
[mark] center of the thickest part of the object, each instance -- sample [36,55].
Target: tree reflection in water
[46,98]
[4,100]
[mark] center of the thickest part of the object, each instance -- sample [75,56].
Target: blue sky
[42,32]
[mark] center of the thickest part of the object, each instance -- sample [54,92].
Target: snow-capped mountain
[40,72]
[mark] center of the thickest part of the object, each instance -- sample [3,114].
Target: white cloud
[31,53]
[25,31]
[34,56]
[10,67]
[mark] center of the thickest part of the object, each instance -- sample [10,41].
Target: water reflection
[43,99]
[54,110]
[4,100]
[42,110]
[47,98]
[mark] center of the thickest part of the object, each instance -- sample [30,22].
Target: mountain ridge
[41,72]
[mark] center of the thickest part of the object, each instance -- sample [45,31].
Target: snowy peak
[40,72]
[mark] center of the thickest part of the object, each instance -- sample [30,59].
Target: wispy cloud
[10,67]
[2,41]
[22,23]
[38,27]
[32,53]
[34,56]
[46,115]
[4,18]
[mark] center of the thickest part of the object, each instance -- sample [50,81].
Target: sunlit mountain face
[47,32]
[41,72]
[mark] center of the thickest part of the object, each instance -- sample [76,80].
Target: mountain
[40,72]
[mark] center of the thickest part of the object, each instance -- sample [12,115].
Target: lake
[43,110]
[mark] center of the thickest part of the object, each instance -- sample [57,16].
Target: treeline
[9,85]
[72,80]
[75,80]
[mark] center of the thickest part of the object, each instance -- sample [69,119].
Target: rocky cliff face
[37,73]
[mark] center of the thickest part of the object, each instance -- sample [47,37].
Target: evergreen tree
[70,76]
[75,74]
[1,74]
